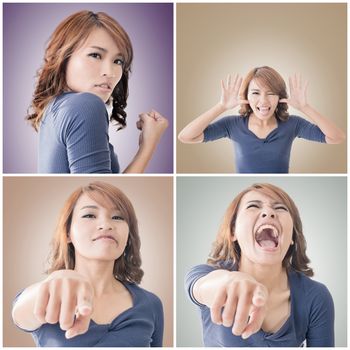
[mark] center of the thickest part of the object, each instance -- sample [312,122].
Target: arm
[320,331]
[157,336]
[298,100]
[152,126]
[193,132]
[83,129]
[64,296]
[233,297]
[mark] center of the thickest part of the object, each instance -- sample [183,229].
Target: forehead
[99,37]
[257,84]
[96,199]
[261,196]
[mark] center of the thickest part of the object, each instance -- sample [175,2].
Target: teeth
[104,86]
[273,228]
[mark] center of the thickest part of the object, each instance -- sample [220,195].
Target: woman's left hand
[298,91]
[152,126]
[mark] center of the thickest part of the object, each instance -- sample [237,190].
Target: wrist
[221,108]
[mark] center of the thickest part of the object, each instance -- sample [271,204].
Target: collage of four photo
[175,174]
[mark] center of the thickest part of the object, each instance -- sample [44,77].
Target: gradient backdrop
[216,39]
[27,28]
[321,201]
[31,210]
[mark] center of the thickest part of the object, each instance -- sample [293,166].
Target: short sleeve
[193,276]
[306,130]
[223,127]
[84,132]
[321,319]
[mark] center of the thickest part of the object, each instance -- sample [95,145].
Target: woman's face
[96,66]
[97,232]
[264,229]
[262,100]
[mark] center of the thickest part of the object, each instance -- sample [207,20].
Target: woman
[256,289]
[91,297]
[264,132]
[85,73]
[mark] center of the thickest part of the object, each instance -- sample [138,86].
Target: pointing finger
[260,296]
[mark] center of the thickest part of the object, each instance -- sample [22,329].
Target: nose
[104,224]
[267,212]
[108,70]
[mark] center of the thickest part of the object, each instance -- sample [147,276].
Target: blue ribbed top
[268,155]
[73,136]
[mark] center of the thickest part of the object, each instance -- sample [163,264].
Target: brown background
[216,39]
[31,209]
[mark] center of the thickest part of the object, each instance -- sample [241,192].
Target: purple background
[27,28]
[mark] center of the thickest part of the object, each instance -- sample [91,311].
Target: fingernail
[245,335]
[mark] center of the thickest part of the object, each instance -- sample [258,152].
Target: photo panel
[201,206]
[150,85]
[32,207]
[236,38]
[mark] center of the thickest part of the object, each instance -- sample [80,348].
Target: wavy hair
[67,37]
[128,266]
[225,251]
[265,76]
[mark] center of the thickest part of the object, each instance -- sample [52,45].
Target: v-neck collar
[256,136]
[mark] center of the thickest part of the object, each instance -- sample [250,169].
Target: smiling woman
[91,296]
[255,289]
[85,73]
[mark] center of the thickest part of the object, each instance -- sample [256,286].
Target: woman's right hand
[230,92]
[237,301]
[66,297]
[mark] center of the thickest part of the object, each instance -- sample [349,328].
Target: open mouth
[267,236]
[263,110]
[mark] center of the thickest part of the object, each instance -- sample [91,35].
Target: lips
[264,110]
[267,236]
[107,237]
[106,86]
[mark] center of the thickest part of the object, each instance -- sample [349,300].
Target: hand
[240,304]
[152,126]
[65,297]
[230,92]
[298,92]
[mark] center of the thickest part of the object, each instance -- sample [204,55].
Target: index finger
[41,302]
[260,296]
[80,326]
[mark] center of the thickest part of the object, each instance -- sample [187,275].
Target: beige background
[31,209]
[216,39]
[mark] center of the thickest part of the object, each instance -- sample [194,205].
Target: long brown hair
[226,251]
[67,37]
[128,266]
[270,78]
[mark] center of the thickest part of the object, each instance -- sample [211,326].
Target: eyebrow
[260,202]
[119,54]
[89,207]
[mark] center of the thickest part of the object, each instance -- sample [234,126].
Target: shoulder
[314,291]
[295,120]
[198,271]
[74,104]
[146,296]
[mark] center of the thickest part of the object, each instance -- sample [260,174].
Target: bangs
[108,201]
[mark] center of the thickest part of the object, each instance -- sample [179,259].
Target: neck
[99,273]
[271,276]
[263,123]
